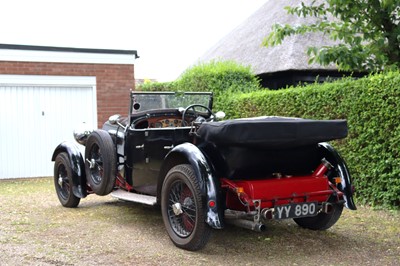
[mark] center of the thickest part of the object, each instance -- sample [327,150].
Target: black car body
[171,150]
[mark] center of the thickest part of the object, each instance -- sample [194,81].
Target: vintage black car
[170,150]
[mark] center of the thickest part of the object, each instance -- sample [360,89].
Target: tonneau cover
[272,132]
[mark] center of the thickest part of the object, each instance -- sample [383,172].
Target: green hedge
[157,86]
[371,107]
[218,77]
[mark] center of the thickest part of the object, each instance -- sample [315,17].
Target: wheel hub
[92,163]
[177,208]
[188,202]
[60,180]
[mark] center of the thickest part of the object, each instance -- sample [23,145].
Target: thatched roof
[244,44]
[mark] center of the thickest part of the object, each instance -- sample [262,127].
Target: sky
[169,35]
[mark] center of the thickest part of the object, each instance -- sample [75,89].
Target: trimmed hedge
[370,106]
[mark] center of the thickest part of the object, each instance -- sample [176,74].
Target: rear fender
[189,153]
[337,161]
[77,167]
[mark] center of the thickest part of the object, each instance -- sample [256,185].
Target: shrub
[157,86]
[218,77]
[223,78]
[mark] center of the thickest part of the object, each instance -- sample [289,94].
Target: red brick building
[46,92]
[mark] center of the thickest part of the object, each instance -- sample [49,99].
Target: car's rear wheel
[63,181]
[100,162]
[323,220]
[182,209]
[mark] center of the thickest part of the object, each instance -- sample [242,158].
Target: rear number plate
[296,210]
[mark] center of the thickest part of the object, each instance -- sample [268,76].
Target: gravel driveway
[36,230]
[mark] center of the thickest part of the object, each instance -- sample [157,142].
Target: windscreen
[144,101]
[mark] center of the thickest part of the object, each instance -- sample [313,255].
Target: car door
[147,150]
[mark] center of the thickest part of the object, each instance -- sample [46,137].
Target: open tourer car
[172,150]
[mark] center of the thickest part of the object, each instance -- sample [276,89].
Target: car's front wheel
[63,181]
[182,209]
[100,162]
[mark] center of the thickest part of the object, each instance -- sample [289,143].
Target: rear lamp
[337,180]
[239,190]
[211,203]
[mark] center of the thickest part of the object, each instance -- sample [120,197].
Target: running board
[130,196]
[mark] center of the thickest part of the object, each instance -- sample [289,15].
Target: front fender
[334,158]
[189,153]
[77,167]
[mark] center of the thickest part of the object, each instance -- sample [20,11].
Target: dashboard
[159,122]
[166,122]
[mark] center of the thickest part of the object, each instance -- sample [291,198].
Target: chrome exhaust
[258,227]
[231,214]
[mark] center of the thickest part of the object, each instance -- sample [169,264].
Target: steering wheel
[196,113]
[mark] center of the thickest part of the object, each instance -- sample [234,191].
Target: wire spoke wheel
[96,164]
[182,209]
[100,162]
[63,181]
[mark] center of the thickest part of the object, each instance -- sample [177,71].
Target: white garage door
[36,114]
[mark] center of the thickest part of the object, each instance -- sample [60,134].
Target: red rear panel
[279,191]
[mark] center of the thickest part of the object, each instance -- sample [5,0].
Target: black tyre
[182,209]
[323,220]
[63,181]
[100,162]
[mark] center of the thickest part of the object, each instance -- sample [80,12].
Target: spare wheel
[100,162]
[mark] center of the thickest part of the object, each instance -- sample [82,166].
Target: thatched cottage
[279,66]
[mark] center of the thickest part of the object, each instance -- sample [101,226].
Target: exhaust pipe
[258,227]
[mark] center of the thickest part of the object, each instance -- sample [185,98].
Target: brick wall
[113,81]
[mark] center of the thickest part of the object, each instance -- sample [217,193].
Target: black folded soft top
[272,132]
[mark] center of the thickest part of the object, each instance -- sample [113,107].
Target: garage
[47,92]
[36,114]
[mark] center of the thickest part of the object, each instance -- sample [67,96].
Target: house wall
[113,81]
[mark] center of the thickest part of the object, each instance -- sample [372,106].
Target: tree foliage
[367,31]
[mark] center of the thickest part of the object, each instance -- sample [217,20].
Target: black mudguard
[77,165]
[189,153]
[337,161]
